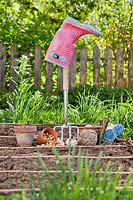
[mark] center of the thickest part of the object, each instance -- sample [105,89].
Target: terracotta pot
[25,134]
[47,135]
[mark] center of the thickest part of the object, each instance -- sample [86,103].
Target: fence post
[96,63]
[60,79]
[2,66]
[14,63]
[108,66]
[130,67]
[49,76]
[37,67]
[83,66]
[72,73]
[119,70]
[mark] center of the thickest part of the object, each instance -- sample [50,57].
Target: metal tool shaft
[65,89]
[65,107]
[66,125]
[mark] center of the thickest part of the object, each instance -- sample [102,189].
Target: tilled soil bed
[20,165]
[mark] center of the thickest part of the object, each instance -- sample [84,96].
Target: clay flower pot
[47,136]
[25,134]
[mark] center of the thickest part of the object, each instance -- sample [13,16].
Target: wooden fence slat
[37,67]
[2,66]
[60,79]
[119,70]
[130,67]
[108,67]
[120,81]
[49,79]
[83,66]
[96,63]
[72,73]
[14,63]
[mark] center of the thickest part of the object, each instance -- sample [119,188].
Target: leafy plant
[88,109]
[24,105]
[122,112]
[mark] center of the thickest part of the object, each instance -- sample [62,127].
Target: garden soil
[22,166]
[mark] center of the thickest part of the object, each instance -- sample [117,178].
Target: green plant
[89,105]
[89,109]
[24,105]
[122,113]
[53,110]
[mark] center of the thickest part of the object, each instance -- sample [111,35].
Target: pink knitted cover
[61,49]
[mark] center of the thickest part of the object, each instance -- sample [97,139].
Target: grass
[86,185]
[89,109]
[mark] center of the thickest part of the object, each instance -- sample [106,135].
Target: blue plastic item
[112,132]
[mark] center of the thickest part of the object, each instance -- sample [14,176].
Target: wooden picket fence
[117,68]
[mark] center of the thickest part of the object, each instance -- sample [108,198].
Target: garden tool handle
[65,79]
[65,89]
[104,126]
